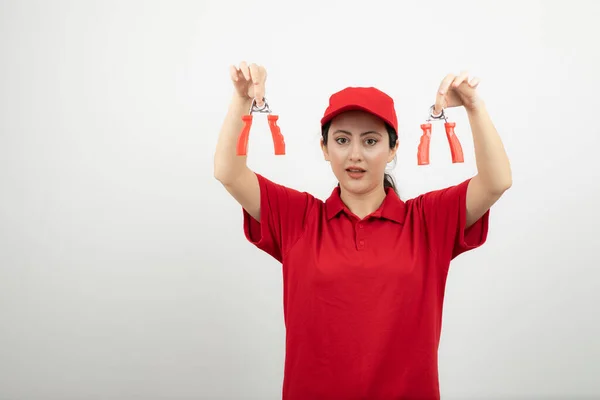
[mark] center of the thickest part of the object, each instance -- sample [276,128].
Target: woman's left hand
[457,91]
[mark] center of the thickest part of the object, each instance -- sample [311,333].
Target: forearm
[227,164]
[493,166]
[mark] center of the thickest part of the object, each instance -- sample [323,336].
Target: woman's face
[358,148]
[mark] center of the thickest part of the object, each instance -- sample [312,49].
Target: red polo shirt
[362,298]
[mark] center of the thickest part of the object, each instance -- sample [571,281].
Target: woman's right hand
[249,81]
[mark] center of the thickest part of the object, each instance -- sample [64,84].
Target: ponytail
[388,182]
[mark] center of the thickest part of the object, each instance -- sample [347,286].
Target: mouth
[355,172]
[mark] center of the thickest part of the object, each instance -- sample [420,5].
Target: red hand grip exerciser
[278,141]
[453,142]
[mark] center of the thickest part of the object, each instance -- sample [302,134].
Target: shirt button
[361,242]
[360,226]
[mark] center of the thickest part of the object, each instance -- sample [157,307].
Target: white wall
[124,272]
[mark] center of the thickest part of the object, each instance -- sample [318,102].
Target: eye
[371,142]
[341,140]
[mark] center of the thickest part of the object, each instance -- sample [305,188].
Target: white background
[124,272]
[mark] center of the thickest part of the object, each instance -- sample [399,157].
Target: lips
[355,172]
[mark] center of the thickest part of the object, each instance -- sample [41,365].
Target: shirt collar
[392,207]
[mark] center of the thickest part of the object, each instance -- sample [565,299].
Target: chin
[357,186]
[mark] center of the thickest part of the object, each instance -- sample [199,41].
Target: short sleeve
[283,217]
[445,215]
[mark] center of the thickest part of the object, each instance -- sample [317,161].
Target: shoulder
[271,185]
[291,198]
[438,204]
[445,194]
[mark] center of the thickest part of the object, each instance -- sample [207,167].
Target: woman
[363,271]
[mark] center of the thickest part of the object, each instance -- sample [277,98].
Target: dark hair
[388,180]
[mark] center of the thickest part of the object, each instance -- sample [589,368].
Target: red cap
[367,99]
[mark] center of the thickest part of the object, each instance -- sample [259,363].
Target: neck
[363,204]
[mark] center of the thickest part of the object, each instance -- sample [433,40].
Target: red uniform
[363,298]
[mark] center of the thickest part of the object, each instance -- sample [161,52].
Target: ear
[324,149]
[393,152]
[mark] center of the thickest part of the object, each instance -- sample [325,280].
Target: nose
[355,151]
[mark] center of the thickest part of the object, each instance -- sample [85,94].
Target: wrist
[476,107]
[242,100]
[240,104]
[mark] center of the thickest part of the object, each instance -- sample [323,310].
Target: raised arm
[229,168]
[494,174]
[274,215]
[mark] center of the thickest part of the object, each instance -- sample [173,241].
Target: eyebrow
[350,133]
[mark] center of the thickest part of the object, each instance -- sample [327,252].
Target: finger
[263,74]
[440,104]
[474,82]
[464,75]
[260,88]
[245,70]
[440,98]
[233,73]
[445,85]
[254,74]
[259,91]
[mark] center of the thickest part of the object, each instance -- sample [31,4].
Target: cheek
[337,157]
[377,157]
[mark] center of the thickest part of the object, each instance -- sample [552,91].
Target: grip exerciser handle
[242,144]
[278,140]
[423,150]
[454,143]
